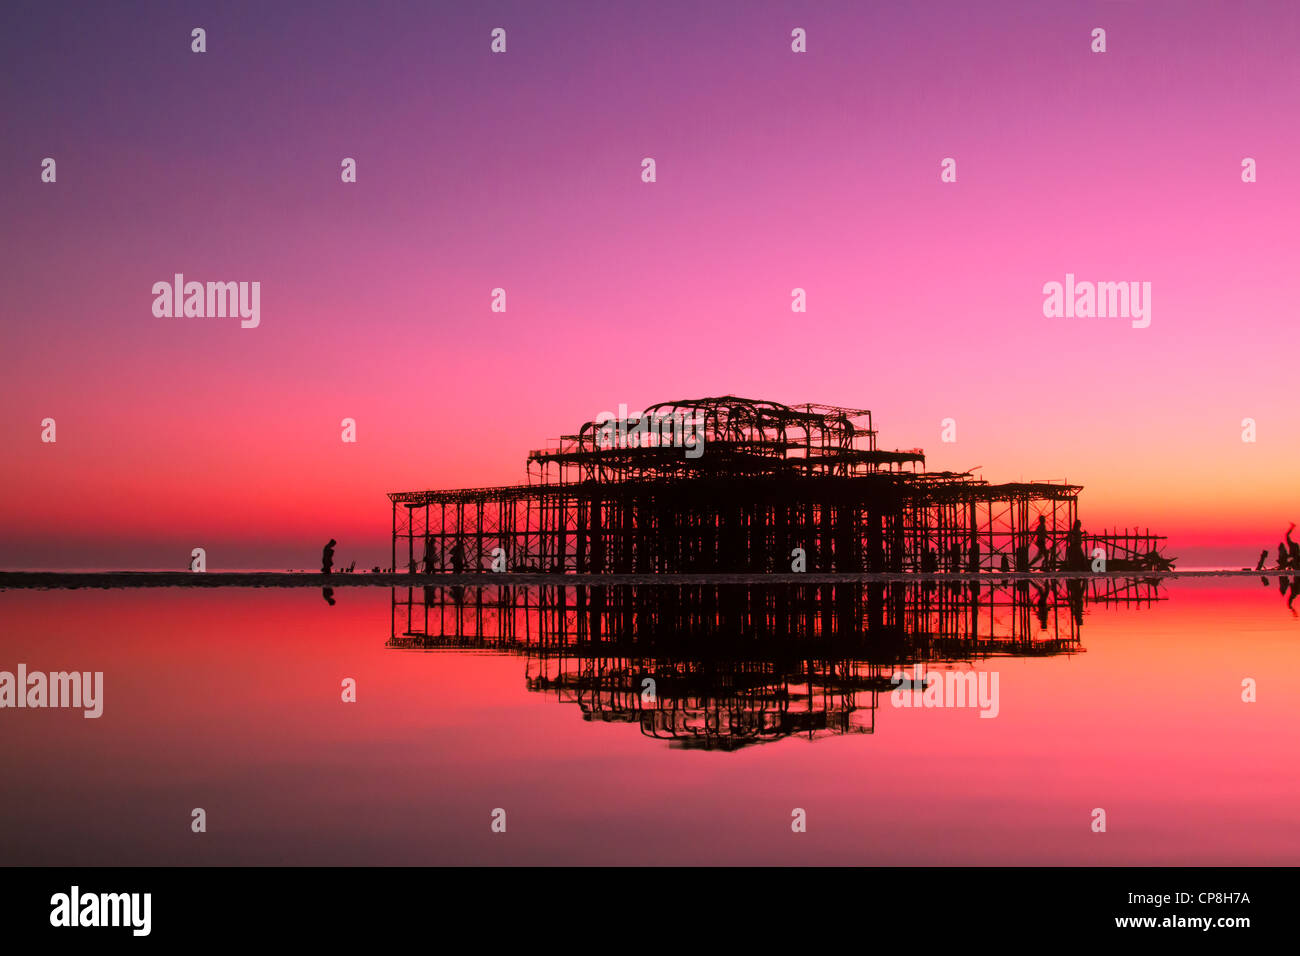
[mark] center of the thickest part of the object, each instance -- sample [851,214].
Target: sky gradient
[775,170]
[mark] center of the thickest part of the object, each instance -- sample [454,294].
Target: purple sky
[775,170]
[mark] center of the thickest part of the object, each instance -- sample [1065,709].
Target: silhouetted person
[328,595]
[954,556]
[1263,559]
[929,561]
[458,558]
[1075,559]
[1281,556]
[1293,547]
[973,559]
[1040,540]
[352,567]
[1156,561]
[327,557]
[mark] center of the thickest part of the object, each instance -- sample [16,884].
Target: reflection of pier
[735,664]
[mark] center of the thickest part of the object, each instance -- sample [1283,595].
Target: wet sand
[304,579]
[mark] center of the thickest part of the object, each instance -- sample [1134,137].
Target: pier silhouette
[756,487]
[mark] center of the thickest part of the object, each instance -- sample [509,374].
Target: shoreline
[110,580]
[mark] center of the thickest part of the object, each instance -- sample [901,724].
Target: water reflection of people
[1042,602]
[328,595]
[1075,591]
[1289,588]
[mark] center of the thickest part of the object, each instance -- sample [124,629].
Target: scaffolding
[734,485]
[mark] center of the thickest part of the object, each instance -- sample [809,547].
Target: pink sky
[521,171]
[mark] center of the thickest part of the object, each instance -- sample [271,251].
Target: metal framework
[734,485]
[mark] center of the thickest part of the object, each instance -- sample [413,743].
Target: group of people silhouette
[457,558]
[1288,553]
[1075,557]
[1037,540]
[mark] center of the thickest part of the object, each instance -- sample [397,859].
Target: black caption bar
[137,906]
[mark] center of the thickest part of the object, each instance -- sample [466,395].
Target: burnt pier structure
[734,485]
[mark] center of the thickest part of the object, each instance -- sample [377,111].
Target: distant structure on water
[735,485]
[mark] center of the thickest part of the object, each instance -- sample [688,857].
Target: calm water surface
[229,700]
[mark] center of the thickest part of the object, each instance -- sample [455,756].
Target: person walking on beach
[1075,559]
[1040,540]
[327,557]
[1293,547]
